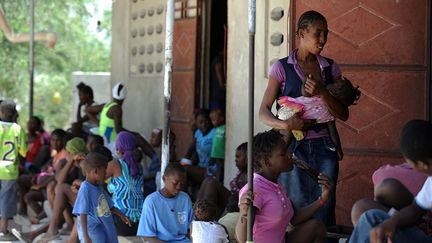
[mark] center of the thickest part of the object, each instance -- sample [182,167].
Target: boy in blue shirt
[167,213]
[93,205]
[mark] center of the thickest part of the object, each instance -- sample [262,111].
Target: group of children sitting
[100,197]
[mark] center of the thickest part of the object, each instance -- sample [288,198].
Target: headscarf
[76,145]
[119,91]
[125,143]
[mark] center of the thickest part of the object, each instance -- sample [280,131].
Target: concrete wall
[100,83]
[144,105]
[270,45]
[138,34]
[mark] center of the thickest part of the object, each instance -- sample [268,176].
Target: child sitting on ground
[202,146]
[216,164]
[13,145]
[38,145]
[377,225]
[229,220]
[32,187]
[215,192]
[93,205]
[94,141]
[271,205]
[154,167]
[172,159]
[167,213]
[126,184]
[204,228]
[312,107]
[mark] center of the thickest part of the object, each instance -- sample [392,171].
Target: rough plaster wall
[120,41]
[268,30]
[137,60]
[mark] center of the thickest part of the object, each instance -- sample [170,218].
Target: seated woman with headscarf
[126,183]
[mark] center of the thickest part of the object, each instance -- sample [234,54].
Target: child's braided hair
[204,210]
[308,18]
[263,145]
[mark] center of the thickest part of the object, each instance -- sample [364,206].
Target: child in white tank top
[204,227]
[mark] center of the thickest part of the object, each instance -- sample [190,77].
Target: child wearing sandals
[94,206]
[272,208]
[205,228]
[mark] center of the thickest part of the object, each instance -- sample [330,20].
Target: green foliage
[77,49]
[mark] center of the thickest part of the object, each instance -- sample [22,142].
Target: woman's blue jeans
[374,217]
[302,189]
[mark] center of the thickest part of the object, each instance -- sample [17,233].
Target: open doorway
[213,56]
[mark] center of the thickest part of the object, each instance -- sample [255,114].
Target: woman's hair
[125,143]
[61,134]
[97,138]
[242,147]
[344,91]
[416,141]
[100,149]
[204,210]
[82,87]
[308,18]
[38,120]
[92,161]
[263,146]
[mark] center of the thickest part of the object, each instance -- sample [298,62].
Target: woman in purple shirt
[285,79]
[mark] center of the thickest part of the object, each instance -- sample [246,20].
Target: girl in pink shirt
[274,213]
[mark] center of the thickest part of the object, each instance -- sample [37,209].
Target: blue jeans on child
[374,217]
[320,153]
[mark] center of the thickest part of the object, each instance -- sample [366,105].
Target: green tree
[77,49]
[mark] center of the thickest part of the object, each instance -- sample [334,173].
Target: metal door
[384,47]
[184,71]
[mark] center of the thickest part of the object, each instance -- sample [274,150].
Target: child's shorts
[8,200]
